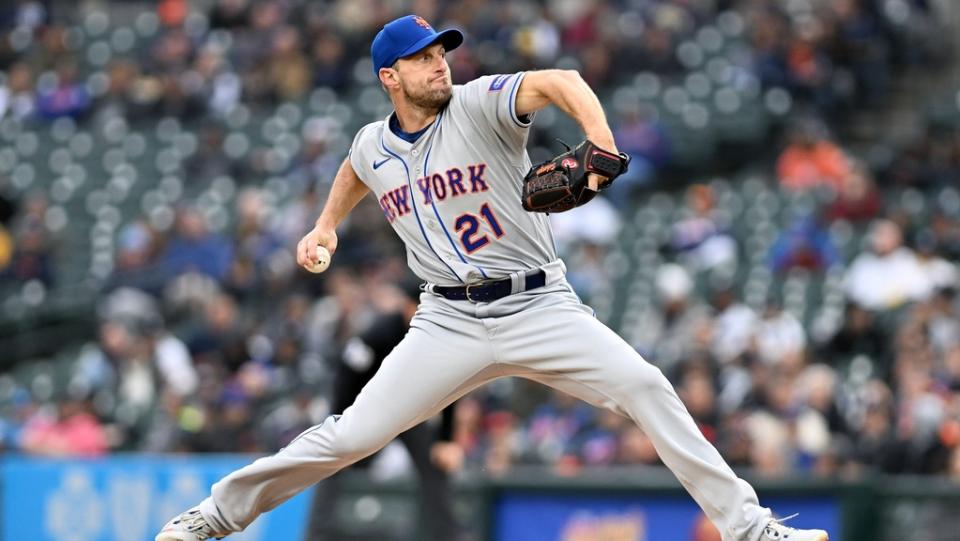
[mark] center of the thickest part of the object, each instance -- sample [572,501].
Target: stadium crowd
[209,339]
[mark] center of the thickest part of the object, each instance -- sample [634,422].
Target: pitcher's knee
[647,378]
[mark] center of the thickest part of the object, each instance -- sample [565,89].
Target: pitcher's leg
[430,368]
[597,366]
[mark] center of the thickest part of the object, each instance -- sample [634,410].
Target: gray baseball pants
[545,335]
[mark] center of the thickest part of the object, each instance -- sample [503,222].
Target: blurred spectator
[732,326]
[641,135]
[174,97]
[939,272]
[33,257]
[636,448]
[859,44]
[875,446]
[135,263]
[868,279]
[950,372]
[771,451]
[221,418]
[767,39]
[858,335]
[135,365]
[698,393]
[28,14]
[193,248]
[554,426]
[210,160]
[315,166]
[66,97]
[500,444]
[780,337]
[681,327]
[121,98]
[221,87]
[804,244]
[599,442]
[820,419]
[140,313]
[857,199]
[52,51]
[71,430]
[946,232]
[810,69]
[330,63]
[17,98]
[700,239]
[285,422]
[943,321]
[539,39]
[595,224]
[171,52]
[256,245]
[220,338]
[288,68]
[921,413]
[585,236]
[810,160]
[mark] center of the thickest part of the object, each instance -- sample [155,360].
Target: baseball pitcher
[450,171]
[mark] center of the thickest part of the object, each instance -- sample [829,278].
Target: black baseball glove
[560,184]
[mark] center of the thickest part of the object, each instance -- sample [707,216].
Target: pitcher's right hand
[307,247]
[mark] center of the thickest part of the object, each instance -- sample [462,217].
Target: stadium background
[784,247]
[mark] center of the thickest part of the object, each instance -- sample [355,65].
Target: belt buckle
[481,283]
[467,291]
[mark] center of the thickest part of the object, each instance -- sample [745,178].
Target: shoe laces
[194,522]
[776,529]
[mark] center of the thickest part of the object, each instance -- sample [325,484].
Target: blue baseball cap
[405,36]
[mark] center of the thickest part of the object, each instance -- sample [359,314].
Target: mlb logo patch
[498,82]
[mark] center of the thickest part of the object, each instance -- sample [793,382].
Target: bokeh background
[784,247]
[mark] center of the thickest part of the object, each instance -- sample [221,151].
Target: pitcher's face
[424,77]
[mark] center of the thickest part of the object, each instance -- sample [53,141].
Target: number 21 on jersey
[468,226]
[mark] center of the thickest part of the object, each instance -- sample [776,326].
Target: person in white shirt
[889,275]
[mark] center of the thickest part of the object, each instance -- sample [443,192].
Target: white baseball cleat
[187,526]
[777,531]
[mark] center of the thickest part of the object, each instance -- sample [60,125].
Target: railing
[127,497]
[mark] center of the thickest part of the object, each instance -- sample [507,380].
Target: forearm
[572,95]
[346,192]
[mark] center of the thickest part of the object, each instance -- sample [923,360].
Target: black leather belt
[490,290]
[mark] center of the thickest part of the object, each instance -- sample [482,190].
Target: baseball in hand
[323,261]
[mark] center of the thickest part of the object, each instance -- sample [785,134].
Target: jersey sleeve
[492,101]
[360,152]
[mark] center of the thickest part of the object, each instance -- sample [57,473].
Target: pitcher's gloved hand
[563,182]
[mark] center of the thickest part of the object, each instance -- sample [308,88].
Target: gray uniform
[453,197]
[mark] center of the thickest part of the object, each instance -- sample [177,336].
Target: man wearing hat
[447,167]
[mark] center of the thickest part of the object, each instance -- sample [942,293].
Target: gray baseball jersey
[453,196]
